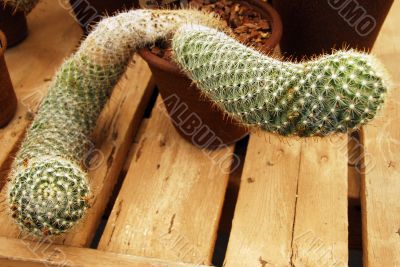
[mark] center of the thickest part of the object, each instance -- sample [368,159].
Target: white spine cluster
[334,93]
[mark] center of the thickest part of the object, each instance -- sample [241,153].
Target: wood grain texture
[171,200]
[17,253]
[292,205]
[263,220]
[320,236]
[380,194]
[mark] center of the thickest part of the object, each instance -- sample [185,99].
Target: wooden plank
[292,204]
[321,223]
[262,224]
[32,64]
[171,200]
[17,252]
[380,194]
[113,135]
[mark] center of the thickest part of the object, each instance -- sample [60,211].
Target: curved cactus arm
[49,189]
[334,93]
[21,5]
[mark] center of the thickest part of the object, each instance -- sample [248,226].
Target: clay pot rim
[3,41]
[270,44]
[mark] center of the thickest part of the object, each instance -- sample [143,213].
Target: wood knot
[162,142]
[250,180]
[324,158]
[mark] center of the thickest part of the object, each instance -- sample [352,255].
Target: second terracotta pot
[8,99]
[88,12]
[195,117]
[13,24]
[313,27]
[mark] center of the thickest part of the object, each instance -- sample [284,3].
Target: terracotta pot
[14,25]
[194,116]
[8,100]
[88,12]
[314,26]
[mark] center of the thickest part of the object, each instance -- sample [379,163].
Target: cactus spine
[49,189]
[334,93]
[21,5]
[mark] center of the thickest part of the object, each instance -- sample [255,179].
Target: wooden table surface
[292,206]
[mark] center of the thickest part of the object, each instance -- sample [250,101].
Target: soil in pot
[13,25]
[8,99]
[194,116]
[88,12]
[313,27]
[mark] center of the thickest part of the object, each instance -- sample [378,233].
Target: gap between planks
[380,194]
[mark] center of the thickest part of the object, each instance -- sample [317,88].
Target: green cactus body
[334,93]
[49,189]
[21,5]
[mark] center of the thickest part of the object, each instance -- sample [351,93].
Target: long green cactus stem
[334,93]
[48,192]
[21,5]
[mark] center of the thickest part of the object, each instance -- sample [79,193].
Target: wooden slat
[132,151]
[292,204]
[32,64]
[321,223]
[113,135]
[263,220]
[170,202]
[380,194]
[17,253]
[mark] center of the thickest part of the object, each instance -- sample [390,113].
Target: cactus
[333,93]
[21,5]
[48,191]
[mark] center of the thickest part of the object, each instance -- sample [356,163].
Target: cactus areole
[49,188]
